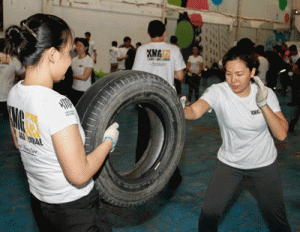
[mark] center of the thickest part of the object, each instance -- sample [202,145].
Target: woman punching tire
[104,103]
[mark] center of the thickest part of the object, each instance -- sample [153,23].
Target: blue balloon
[217,2]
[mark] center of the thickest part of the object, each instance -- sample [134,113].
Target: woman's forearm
[276,122]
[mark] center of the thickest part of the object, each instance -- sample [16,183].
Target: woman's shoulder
[88,58]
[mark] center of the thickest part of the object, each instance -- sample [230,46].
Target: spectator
[113,53]
[173,41]
[295,66]
[194,68]
[263,63]
[82,67]
[137,45]
[122,53]
[9,68]
[165,61]
[276,64]
[92,47]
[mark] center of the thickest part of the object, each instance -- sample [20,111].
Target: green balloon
[175,2]
[282,4]
[184,33]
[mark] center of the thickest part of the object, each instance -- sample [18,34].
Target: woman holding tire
[245,112]
[47,131]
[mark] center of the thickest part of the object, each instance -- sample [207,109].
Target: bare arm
[200,68]
[179,75]
[196,110]
[95,56]
[188,67]
[77,166]
[85,75]
[276,122]
[13,134]
[120,58]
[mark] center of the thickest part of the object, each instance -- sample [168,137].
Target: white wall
[106,27]
[109,20]
[15,11]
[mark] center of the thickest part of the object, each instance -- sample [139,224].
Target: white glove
[183,100]
[112,133]
[262,93]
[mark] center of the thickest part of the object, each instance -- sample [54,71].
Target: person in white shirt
[249,115]
[158,57]
[113,54]
[92,47]
[194,68]
[124,55]
[166,61]
[10,68]
[295,68]
[82,67]
[263,63]
[46,130]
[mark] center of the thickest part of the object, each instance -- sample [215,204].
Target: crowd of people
[60,174]
[122,57]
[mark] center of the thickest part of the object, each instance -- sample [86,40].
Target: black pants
[74,96]
[194,82]
[267,187]
[84,214]
[3,109]
[295,85]
[177,84]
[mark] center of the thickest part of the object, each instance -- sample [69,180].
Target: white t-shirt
[9,67]
[247,142]
[295,58]
[113,54]
[161,59]
[263,68]
[195,61]
[78,67]
[37,113]
[92,48]
[122,52]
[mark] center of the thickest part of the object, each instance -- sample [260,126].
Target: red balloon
[286,17]
[196,20]
[197,4]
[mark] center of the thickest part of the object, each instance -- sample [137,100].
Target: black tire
[103,103]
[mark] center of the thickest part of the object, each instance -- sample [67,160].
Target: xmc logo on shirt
[158,54]
[25,126]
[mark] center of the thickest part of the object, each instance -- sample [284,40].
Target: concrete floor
[170,210]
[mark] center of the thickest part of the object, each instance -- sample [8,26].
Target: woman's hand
[262,93]
[112,133]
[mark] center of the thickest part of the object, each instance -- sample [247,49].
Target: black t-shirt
[131,55]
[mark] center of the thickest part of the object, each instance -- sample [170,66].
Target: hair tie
[31,31]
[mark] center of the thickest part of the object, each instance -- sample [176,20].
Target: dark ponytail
[34,36]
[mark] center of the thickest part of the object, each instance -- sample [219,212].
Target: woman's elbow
[78,180]
[282,137]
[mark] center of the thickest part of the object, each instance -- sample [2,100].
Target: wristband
[113,142]
[263,105]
